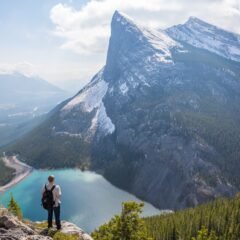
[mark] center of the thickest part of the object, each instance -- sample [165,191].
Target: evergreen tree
[213,236]
[14,208]
[202,234]
[127,226]
[174,233]
[221,219]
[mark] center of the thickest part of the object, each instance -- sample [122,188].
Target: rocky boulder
[11,228]
[70,228]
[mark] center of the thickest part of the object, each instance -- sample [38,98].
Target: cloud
[86,30]
[25,68]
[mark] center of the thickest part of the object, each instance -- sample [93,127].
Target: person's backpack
[47,198]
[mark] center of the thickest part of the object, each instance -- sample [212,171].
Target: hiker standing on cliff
[51,195]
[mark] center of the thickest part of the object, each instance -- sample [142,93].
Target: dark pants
[56,211]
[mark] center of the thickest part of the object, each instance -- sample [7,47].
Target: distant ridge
[203,35]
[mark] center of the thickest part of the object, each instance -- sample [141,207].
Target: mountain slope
[160,120]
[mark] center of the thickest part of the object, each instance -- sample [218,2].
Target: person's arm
[58,191]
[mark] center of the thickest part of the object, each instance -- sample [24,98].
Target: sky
[65,41]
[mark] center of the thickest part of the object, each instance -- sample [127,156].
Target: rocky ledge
[11,228]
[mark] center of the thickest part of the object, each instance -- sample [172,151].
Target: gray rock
[3,211]
[11,228]
[11,222]
[8,222]
[70,228]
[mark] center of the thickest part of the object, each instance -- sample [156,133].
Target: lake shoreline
[88,199]
[22,170]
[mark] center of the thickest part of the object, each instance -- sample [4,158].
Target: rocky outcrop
[70,228]
[11,228]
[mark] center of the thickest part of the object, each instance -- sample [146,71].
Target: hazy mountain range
[23,101]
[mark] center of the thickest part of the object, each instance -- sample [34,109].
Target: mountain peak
[194,22]
[201,34]
[132,41]
[121,17]
[195,19]
[125,25]
[122,21]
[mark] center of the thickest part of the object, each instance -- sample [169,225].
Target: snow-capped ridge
[152,36]
[129,38]
[201,34]
[196,19]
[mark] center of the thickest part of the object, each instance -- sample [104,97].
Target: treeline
[218,220]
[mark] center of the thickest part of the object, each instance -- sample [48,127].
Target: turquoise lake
[88,200]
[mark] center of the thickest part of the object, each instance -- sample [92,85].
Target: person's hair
[51,178]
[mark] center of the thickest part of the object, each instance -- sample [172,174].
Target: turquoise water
[88,199]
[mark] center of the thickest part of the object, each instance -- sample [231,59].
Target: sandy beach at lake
[22,170]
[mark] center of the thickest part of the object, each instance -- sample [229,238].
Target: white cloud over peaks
[25,68]
[86,30]
[83,30]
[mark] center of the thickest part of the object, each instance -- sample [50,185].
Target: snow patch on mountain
[65,133]
[209,37]
[92,98]
[102,122]
[123,88]
[162,43]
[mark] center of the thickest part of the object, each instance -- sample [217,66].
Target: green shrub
[126,226]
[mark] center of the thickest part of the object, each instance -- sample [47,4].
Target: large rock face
[13,229]
[160,120]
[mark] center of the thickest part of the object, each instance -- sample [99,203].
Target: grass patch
[41,225]
[64,236]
